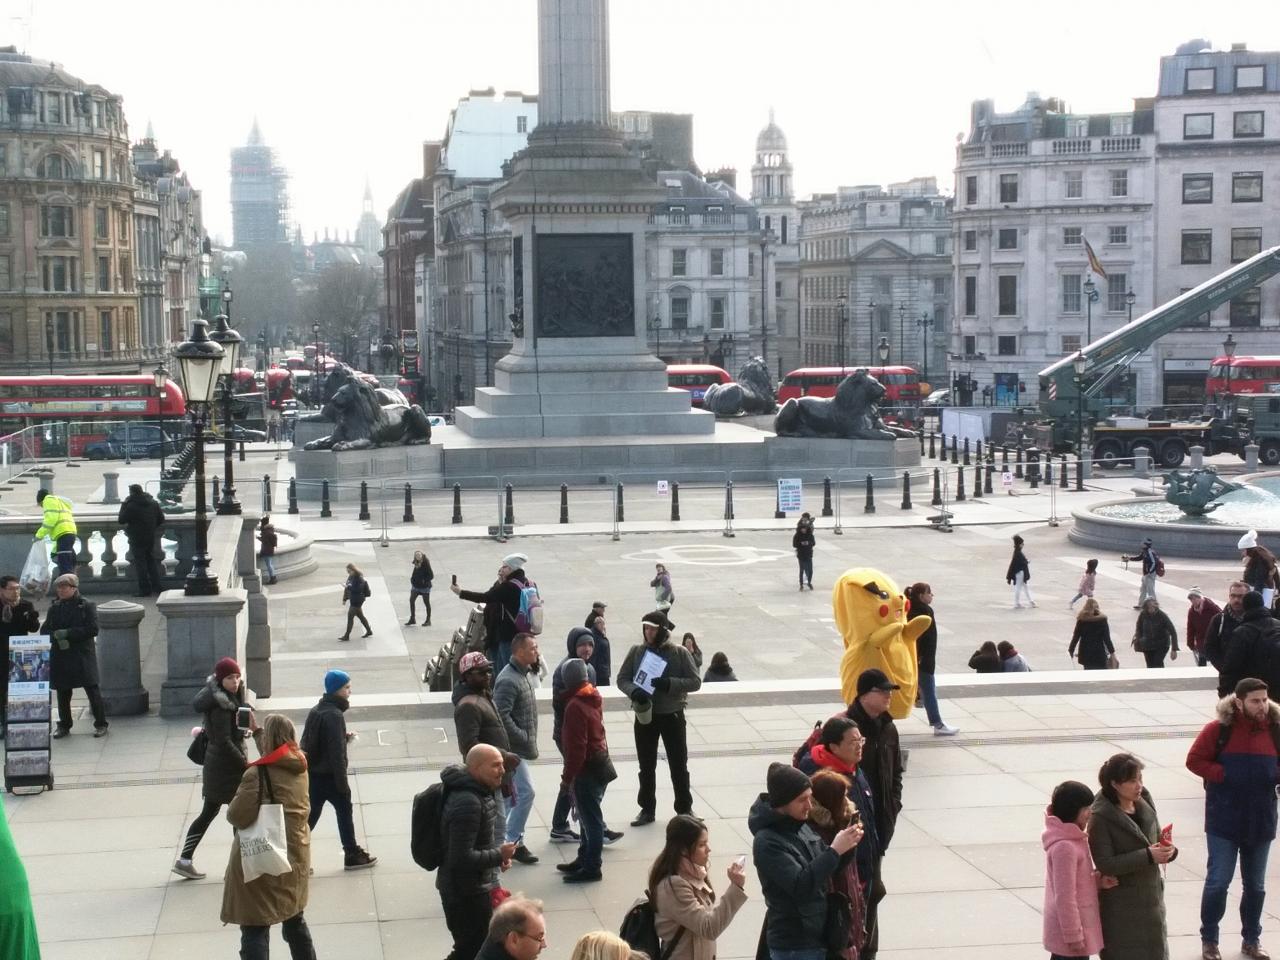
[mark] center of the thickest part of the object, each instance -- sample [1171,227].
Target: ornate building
[259,197]
[368,230]
[773,193]
[68,266]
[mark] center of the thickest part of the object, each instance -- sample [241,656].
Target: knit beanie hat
[226,667]
[515,561]
[785,783]
[335,680]
[574,673]
[1252,601]
[658,619]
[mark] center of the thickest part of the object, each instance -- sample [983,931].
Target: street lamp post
[315,385]
[655,324]
[1130,299]
[1090,296]
[925,322]
[1229,351]
[488,369]
[843,302]
[764,313]
[882,351]
[230,341]
[160,378]
[1081,449]
[200,359]
[871,330]
[902,331]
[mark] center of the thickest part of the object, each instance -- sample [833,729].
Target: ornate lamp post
[160,378]
[842,302]
[882,351]
[1078,365]
[315,384]
[200,359]
[655,324]
[226,297]
[902,331]
[1090,296]
[924,323]
[230,341]
[1229,351]
[871,330]
[1130,299]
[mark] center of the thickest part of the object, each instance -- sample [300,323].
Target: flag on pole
[1094,264]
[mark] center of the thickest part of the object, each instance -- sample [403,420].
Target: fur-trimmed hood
[1226,710]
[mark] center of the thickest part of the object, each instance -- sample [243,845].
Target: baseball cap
[475,660]
[874,679]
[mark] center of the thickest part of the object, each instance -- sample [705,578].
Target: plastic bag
[35,572]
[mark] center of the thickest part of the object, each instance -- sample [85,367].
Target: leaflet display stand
[27,755]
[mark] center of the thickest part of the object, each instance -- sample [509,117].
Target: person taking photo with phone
[687,917]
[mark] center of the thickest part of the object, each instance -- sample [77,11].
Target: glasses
[540,938]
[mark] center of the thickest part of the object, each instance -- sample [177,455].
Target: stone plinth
[200,631]
[344,470]
[119,662]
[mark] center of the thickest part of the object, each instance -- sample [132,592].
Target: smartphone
[244,718]
[855,818]
[455,579]
[741,862]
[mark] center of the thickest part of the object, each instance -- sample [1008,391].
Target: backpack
[367,592]
[529,616]
[426,832]
[640,930]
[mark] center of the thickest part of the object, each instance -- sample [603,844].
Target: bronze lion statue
[360,421]
[852,414]
[340,375]
[753,392]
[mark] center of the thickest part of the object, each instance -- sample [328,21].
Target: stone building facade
[778,253]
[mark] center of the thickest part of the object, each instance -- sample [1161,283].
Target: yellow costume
[871,614]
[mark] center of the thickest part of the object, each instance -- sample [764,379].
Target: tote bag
[264,851]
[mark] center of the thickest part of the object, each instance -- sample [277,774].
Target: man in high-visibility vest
[61,526]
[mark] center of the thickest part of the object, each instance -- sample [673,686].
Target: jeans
[425,594]
[269,562]
[146,564]
[929,693]
[1222,867]
[806,570]
[560,815]
[1148,589]
[588,792]
[325,789]
[467,917]
[95,706]
[255,942]
[1020,588]
[670,728]
[354,613]
[65,553]
[518,809]
[814,953]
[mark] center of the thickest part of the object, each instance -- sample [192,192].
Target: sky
[865,93]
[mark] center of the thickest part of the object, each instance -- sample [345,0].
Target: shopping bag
[264,848]
[35,572]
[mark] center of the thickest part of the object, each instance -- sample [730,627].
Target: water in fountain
[1256,506]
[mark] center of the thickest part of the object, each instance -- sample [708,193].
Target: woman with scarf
[420,586]
[18,617]
[831,812]
[687,916]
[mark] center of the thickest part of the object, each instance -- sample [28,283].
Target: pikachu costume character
[871,613]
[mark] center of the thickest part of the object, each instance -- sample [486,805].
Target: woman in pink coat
[1072,925]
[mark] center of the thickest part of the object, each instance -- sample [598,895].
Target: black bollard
[942,447]
[510,517]
[324,499]
[977,457]
[977,481]
[955,449]
[966,451]
[922,441]
[728,499]
[242,451]
[777,504]
[408,503]
[675,501]
[564,503]
[826,497]
[986,482]
[960,494]
[1017,466]
[1079,475]
[457,503]
[871,496]
[1033,470]
[1063,482]
[293,495]
[619,495]
[217,490]
[364,500]
[937,488]
[932,455]
[266,493]
[1048,469]
[1004,458]
[906,490]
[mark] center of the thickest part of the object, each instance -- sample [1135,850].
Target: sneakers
[1254,950]
[567,835]
[942,730]
[523,855]
[611,836]
[186,869]
[358,859]
[101,731]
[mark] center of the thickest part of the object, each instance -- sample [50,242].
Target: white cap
[1250,539]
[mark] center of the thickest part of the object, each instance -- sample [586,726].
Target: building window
[1007,346]
[522,124]
[1246,309]
[1119,183]
[1197,188]
[1200,320]
[1071,293]
[1246,242]
[784,228]
[1249,78]
[1007,238]
[126,272]
[1008,295]
[1008,188]
[4,158]
[101,223]
[1072,236]
[1118,235]
[99,165]
[54,167]
[1117,290]
[61,331]
[1073,182]
[1122,125]
[4,219]
[1078,127]
[717,313]
[970,345]
[1197,126]
[679,313]
[751,263]
[970,296]
[1070,343]
[1199,80]
[717,262]
[679,258]
[940,244]
[6,335]
[104,274]
[58,274]
[970,190]
[1247,123]
[52,107]
[971,240]
[884,286]
[104,331]
[1197,246]
[939,287]
[1245,188]
[6,277]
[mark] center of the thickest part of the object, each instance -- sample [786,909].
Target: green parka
[1133,922]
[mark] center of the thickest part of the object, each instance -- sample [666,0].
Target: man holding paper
[658,675]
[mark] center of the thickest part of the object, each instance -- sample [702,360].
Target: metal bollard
[1004,458]
[922,441]
[906,490]
[955,448]
[942,446]
[1033,470]
[620,516]
[564,503]
[937,488]
[293,495]
[266,493]
[457,503]
[1079,475]
[324,499]
[510,516]
[871,496]
[826,497]
[1017,467]
[1062,474]
[977,457]
[675,500]
[217,491]
[931,453]
[777,504]
[966,451]
[242,451]
[977,480]
[986,481]
[1048,469]
[408,503]
[728,500]
[960,494]
[364,500]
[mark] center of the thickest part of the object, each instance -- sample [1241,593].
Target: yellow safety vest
[58,520]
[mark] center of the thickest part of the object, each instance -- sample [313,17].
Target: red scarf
[825,758]
[279,753]
[586,690]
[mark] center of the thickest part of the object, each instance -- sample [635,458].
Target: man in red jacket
[1199,615]
[587,768]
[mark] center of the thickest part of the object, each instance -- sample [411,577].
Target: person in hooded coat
[141,517]
[1091,639]
[1072,925]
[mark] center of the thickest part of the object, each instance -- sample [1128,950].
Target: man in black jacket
[597,610]
[72,622]
[1217,636]
[472,851]
[141,518]
[19,619]
[1255,646]
[501,606]
[803,543]
[324,741]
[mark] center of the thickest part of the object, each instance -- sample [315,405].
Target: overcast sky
[865,92]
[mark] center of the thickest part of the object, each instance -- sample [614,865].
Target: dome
[20,70]
[771,138]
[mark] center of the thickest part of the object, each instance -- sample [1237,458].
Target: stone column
[573,62]
[199,631]
[1251,457]
[45,480]
[111,488]
[1197,457]
[1141,462]
[119,663]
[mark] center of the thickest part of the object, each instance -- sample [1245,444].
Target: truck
[1261,412]
[1075,390]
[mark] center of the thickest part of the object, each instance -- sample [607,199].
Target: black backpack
[640,930]
[426,832]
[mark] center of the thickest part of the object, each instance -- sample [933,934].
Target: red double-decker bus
[82,401]
[1242,375]
[696,377]
[901,384]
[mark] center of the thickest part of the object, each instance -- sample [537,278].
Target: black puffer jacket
[476,720]
[882,764]
[1092,636]
[76,666]
[795,867]
[501,605]
[1254,650]
[228,755]
[140,516]
[324,740]
[927,642]
[422,576]
[472,834]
